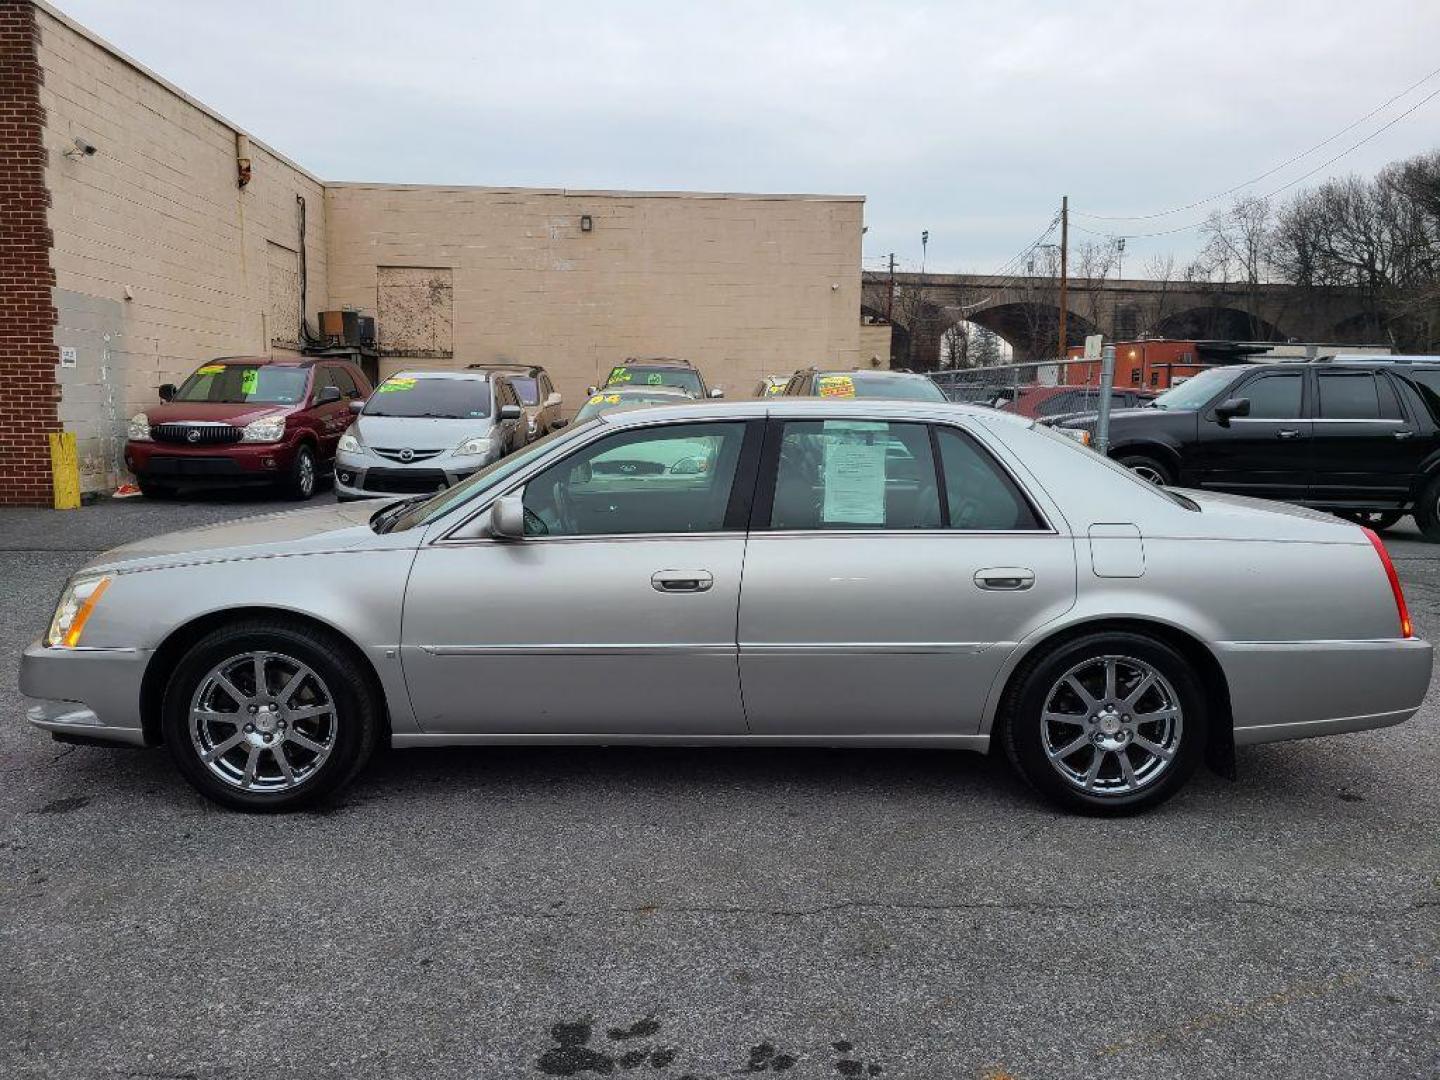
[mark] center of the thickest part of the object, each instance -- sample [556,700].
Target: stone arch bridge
[1025,312]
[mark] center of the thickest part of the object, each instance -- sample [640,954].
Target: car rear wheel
[1379,520]
[269,716]
[303,474]
[1427,511]
[1110,723]
[1148,469]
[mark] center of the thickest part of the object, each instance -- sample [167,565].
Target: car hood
[337,527]
[239,414]
[1087,419]
[420,433]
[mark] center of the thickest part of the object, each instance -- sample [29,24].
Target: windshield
[642,375]
[1195,391]
[424,512]
[438,399]
[603,402]
[236,384]
[864,384]
[526,387]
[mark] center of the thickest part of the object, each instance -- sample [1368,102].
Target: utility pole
[890,292]
[1064,274]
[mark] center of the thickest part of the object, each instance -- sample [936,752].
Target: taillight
[1406,629]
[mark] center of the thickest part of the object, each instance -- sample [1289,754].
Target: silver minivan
[424,431]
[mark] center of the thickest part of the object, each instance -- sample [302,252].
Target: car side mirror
[559,422]
[167,391]
[509,412]
[591,389]
[327,394]
[357,406]
[507,517]
[554,401]
[717,392]
[1232,407]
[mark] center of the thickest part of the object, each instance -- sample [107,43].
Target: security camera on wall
[81,149]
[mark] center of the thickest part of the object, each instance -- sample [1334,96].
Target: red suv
[244,419]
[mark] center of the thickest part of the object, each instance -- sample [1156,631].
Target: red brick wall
[28,391]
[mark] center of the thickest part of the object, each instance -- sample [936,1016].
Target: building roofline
[604,193]
[125,58]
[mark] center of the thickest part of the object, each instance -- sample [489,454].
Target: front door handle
[1005,578]
[1288,433]
[1404,433]
[673,581]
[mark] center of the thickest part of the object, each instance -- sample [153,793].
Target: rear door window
[855,474]
[979,495]
[1359,395]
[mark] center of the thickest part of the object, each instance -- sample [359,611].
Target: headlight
[268,429]
[349,444]
[532,425]
[140,427]
[480,444]
[1080,435]
[77,603]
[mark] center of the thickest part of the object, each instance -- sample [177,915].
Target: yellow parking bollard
[65,469]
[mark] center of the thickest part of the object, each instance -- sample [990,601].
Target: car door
[1265,453]
[1366,446]
[332,417]
[891,568]
[614,616]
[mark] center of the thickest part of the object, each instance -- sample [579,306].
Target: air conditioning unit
[343,328]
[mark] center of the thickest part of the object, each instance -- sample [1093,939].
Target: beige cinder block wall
[160,259]
[742,285]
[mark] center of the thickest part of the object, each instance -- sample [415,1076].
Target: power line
[1283,187]
[1283,165]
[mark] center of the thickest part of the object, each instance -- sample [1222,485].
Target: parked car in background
[245,420]
[423,431]
[862,383]
[661,371]
[771,386]
[1359,439]
[914,574]
[1050,401]
[628,397]
[543,404]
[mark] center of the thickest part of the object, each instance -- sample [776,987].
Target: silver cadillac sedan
[789,571]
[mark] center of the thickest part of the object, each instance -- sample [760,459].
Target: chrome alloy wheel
[263,722]
[1111,725]
[306,478]
[1148,474]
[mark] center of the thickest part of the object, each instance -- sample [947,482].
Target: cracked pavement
[704,913]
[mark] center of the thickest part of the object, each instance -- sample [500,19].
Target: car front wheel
[1110,723]
[303,473]
[1148,469]
[269,716]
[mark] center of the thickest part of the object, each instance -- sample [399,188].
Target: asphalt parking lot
[706,913]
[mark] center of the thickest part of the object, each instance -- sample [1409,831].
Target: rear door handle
[1288,433]
[1005,578]
[673,581]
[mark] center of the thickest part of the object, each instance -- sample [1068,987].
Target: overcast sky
[966,119]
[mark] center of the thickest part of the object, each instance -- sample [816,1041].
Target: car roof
[527,369]
[268,361]
[887,373]
[809,408]
[655,361]
[449,373]
[630,388]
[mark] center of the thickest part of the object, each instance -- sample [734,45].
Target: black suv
[1359,438]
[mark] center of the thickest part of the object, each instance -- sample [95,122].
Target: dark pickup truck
[1359,438]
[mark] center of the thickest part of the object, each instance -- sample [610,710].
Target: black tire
[304,474]
[1379,520]
[151,490]
[1023,731]
[1427,511]
[1148,469]
[351,730]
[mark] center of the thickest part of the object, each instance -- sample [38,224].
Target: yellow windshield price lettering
[394,386]
[250,381]
[619,374]
[836,386]
[211,369]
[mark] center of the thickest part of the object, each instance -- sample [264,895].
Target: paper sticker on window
[249,381]
[392,386]
[211,369]
[618,375]
[855,473]
[836,386]
[655,379]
